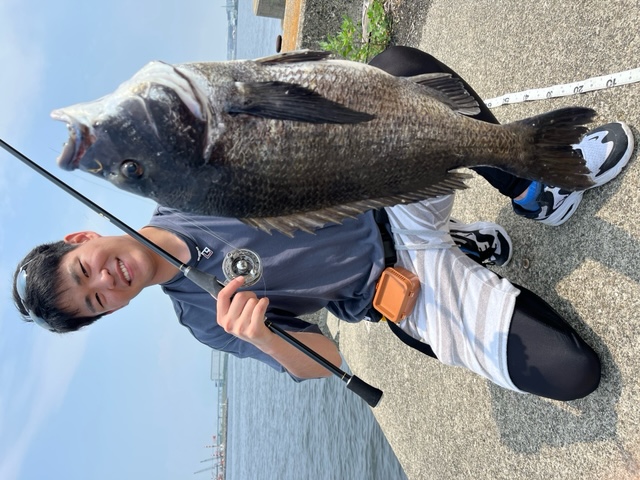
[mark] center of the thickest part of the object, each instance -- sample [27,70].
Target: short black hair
[43,291]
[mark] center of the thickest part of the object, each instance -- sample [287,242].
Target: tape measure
[575,88]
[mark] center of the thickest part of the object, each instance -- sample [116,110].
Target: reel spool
[242,262]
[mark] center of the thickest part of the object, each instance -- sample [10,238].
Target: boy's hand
[241,314]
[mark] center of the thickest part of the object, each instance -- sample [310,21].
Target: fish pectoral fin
[294,57]
[311,221]
[288,101]
[448,90]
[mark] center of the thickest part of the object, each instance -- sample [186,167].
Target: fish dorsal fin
[448,90]
[289,101]
[294,57]
[311,221]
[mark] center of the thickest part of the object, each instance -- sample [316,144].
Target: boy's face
[103,274]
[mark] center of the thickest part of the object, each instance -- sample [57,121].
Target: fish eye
[131,169]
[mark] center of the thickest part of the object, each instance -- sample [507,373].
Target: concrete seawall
[306,22]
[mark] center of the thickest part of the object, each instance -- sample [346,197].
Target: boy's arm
[241,314]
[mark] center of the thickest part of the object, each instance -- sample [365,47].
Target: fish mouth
[80,139]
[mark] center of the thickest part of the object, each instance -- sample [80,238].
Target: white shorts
[464,310]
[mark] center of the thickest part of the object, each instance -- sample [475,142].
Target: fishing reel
[242,262]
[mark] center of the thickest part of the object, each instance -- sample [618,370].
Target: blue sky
[130,397]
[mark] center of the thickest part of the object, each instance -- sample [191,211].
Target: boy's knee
[583,376]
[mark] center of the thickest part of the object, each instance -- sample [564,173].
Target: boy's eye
[99,302]
[84,272]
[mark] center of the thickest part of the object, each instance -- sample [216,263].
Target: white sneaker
[485,242]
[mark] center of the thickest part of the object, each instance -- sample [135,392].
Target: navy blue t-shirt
[335,268]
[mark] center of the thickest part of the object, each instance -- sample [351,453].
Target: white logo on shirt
[206,252]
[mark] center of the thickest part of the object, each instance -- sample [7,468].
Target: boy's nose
[104,279]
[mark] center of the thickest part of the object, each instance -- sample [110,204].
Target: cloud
[32,393]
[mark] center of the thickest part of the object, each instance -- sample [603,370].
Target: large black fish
[297,140]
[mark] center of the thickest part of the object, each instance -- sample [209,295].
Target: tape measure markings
[595,83]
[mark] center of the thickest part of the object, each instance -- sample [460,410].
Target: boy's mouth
[125,272]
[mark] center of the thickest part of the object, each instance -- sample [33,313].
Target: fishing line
[575,88]
[237,262]
[207,282]
[105,186]
[202,228]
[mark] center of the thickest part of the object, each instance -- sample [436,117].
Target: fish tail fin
[548,155]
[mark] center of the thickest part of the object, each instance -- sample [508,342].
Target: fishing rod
[208,282]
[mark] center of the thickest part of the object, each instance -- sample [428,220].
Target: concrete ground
[446,423]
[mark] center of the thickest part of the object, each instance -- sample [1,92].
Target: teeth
[124,271]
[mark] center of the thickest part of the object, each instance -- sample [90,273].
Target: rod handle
[368,393]
[206,281]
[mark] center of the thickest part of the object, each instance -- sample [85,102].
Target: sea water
[316,430]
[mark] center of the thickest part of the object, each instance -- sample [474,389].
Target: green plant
[355,43]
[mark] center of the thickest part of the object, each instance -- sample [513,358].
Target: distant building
[269,8]
[218,367]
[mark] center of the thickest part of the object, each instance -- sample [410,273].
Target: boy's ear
[80,237]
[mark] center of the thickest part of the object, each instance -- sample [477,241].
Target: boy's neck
[170,243]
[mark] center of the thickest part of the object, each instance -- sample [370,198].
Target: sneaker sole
[565,211]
